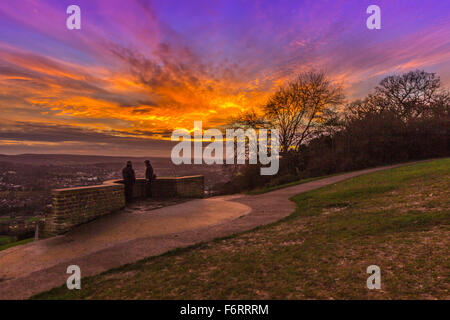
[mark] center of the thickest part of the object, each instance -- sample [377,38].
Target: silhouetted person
[149,176]
[129,180]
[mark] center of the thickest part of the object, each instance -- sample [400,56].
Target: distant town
[26,182]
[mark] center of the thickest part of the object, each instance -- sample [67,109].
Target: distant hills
[70,159]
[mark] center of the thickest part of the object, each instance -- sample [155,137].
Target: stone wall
[75,206]
[170,187]
[183,187]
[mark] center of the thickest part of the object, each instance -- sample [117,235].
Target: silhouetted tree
[297,109]
[405,118]
[407,96]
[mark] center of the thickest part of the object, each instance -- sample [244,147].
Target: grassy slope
[5,239]
[397,219]
[13,244]
[285,185]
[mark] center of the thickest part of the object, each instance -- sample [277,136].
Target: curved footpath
[132,235]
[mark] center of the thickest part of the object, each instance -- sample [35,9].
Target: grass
[285,185]
[6,239]
[33,219]
[16,243]
[397,219]
[6,219]
[27,219]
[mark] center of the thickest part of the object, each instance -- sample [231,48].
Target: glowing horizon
[139,69]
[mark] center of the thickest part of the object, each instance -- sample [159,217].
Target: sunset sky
[139,69]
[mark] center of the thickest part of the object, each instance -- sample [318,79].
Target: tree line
[405,118]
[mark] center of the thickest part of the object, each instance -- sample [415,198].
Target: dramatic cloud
[139,69]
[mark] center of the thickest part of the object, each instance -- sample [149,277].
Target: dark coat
[128,175]
[149,172]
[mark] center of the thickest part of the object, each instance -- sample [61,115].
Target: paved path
[136,233]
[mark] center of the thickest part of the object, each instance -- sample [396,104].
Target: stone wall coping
[112,183]
[100,186]
[157,178]
[179,178]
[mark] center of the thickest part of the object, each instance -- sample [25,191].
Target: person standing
[129,179]
[149,176]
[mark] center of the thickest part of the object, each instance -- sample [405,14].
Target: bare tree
[249,119]
[407,96]
[298,108]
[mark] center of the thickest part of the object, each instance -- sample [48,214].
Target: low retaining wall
[75,206]
[170,187]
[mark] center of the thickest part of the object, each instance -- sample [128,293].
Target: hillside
[397,219]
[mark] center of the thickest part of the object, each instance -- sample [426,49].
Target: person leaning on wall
[129,179]
[149,177]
